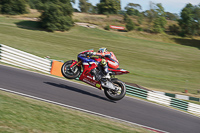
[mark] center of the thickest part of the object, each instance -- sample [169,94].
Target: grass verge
[21,114]
[156,65]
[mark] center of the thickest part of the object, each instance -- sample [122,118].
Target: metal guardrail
[162,99]
[22,59]
[179,96]
[134,91]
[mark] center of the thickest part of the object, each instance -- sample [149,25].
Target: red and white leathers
[109,60]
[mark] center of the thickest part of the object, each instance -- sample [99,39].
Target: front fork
[74,64]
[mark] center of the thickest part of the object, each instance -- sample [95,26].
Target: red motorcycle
[92,73]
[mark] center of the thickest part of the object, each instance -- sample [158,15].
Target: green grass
[24,115]
[155,65]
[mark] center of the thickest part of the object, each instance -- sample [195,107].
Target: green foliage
[33,3]
[172,16]
[13,7]
[156,15]
[84,5]
[190,22]
[174,29]
[134,6]
[130,25]
[132,9]
[140,19]
[109,6]
[126,17]
[76,10]
[93,9]
[150,15]
[140,29]
[107,27]
[157,27]
[121,12]
[56,15]
[160,21]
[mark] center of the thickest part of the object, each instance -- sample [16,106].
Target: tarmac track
[88,98]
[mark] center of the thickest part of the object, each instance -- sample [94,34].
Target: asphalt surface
[88,98]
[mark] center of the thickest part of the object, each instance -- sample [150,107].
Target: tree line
[57,14]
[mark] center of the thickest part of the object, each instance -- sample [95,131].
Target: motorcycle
[89,70]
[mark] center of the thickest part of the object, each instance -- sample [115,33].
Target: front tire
[69,73]
[117,94]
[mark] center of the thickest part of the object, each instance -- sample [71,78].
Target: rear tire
[119,93]
[68,73]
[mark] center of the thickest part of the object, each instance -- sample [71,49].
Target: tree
[190,19]
[174,29]
[160,21]
[85,6]
[56,14]
[150,14]
[133,9]
[157,16]
[13,7]
[93,9]
[33,3]
[171,16]
[130,25]
[126,17]
[140,18]
[109,6]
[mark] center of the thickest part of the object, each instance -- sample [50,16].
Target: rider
[108,60]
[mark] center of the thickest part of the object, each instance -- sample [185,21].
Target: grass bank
[21,114]
[155,65]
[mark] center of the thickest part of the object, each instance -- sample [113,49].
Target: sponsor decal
[89,82]
[89,77]
[117,27]
[98,85]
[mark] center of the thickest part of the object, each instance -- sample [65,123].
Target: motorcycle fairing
[88,65]
[90,50]
[118,71]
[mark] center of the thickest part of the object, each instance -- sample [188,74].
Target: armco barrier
[194,108]
[159,98]
[178,96]
[134,91]
[22,59]
[163,99]
[180,104]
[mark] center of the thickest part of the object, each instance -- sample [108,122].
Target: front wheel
[118,93]
[70,73]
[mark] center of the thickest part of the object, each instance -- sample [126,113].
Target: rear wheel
[70,73]
[118,93]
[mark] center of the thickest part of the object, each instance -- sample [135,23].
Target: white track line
[83,110]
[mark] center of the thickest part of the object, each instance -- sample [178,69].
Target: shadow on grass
[78,90]
[30,25]
[188,42]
